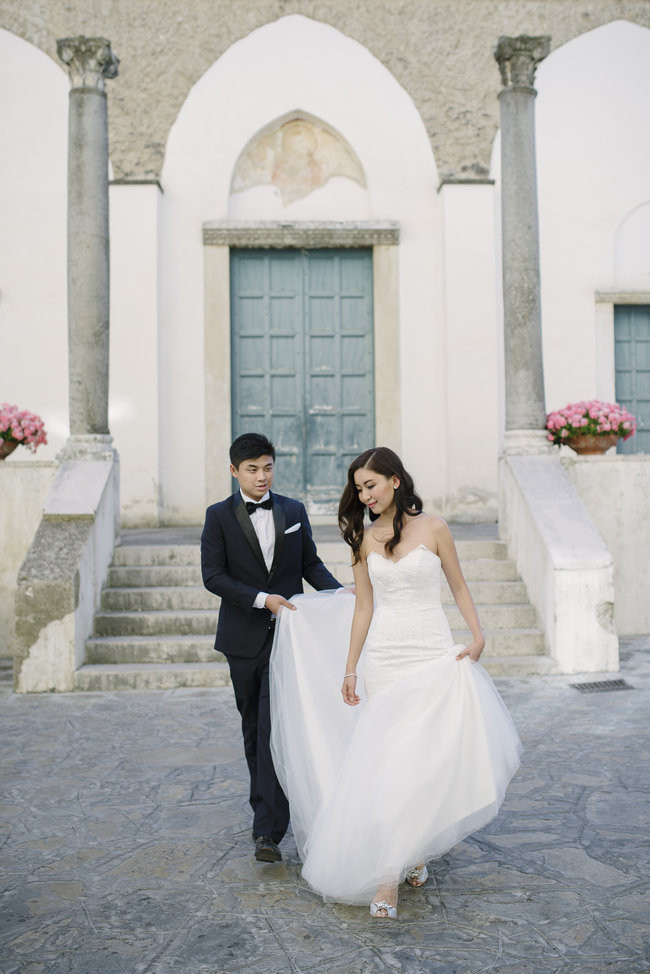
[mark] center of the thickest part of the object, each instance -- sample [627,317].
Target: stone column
[524,372]
[90,61]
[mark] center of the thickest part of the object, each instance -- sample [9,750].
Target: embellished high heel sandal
[383,910]
[417,876]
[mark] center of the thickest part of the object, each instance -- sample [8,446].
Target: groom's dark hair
[250,446]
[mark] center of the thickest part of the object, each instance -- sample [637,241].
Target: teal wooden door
[632,361]
[303,364]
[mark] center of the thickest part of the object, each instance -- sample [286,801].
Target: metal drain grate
[601,685]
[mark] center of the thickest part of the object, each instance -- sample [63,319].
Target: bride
[378,790]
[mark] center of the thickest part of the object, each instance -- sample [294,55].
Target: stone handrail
[61,578]
[560,555]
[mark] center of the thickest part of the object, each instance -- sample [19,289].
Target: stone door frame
[218,238]
[605,367]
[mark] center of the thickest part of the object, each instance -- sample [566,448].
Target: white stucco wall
[591,177]
[632,250]
[134,389]
[33,281]
[593,147]
[471,328]
[594,194]
[33,180]
[273,71]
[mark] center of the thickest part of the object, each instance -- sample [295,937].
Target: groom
[256,548]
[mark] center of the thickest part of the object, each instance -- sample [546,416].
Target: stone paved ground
[126,847]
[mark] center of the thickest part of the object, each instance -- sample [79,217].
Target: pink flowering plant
[21,426]
[592,417]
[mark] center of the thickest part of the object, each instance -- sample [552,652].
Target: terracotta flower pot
[7,447]
[589,443]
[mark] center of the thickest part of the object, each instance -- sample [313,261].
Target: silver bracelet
[349,674]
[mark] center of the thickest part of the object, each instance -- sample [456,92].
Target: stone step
[332,552]
[185,597]
[474,570]
[199,649]
[6,673]
[201,621]
[157,624]
[490,593]
[489,570]
[171,676]
[505,616]
[162,598]
[518,665]
[151,676]
[156,576]
[507,642]
[136,576]
[157,554]
[197,622]
[336,552]
[481,570]
[152,649]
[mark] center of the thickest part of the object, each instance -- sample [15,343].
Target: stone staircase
[155,628]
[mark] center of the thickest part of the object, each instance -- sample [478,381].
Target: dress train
[404,776]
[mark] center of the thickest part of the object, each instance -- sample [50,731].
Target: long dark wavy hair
[383,461]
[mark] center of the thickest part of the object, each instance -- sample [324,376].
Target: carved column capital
[90,61]
[518,57]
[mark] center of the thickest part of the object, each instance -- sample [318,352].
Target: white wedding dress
[421,763]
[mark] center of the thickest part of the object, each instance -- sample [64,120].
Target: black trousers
[250,680]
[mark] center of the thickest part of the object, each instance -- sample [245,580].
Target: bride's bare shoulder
[374,539]
[366,544]
[370,538]
[433,521]
[435,527]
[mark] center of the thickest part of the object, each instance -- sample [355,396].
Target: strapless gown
[421,763]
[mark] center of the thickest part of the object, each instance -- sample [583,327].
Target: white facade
[33,181]
[594,189]
[381,125]
[594,201]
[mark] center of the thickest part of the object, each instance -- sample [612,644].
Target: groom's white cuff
[260,599]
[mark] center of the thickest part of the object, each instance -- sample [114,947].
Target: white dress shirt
[264,527]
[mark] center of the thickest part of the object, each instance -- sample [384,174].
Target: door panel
[632,360]
[302,363]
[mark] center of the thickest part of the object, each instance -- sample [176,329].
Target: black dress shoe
[266,850]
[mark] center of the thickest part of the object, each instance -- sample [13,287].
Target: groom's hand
[276,602]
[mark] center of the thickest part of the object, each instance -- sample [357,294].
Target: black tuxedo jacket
[233,567]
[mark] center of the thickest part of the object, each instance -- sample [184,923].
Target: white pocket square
[294,527]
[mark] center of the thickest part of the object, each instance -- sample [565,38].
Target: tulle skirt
[395,781]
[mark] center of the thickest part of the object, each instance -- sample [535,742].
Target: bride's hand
[349,690]
[474,650]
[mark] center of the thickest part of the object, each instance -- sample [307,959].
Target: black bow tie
[251,506]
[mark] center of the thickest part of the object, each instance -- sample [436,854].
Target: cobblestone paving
[126,847]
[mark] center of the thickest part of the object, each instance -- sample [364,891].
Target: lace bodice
[409,625]
[410,581]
